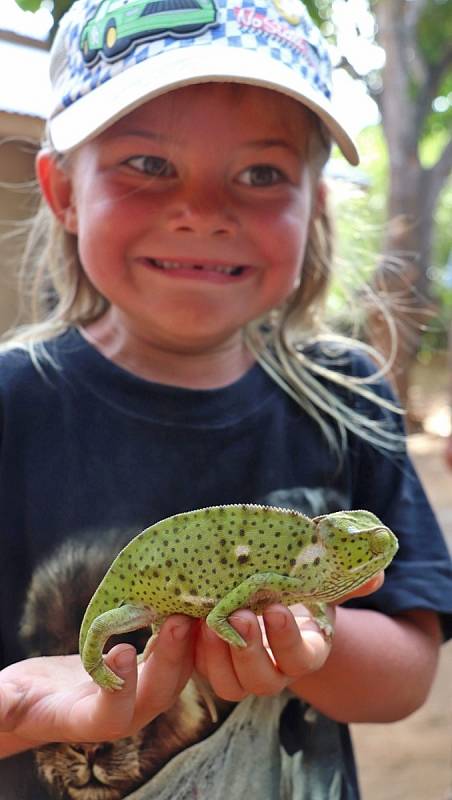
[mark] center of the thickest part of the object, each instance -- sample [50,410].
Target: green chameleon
[210,562]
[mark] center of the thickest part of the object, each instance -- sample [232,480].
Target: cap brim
[111,100]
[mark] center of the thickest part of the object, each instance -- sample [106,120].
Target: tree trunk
[402,274]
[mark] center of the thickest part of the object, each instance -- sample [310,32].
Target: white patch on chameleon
[242,550]
[197,601]
[308,554]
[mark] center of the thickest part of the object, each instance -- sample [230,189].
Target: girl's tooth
[175,265]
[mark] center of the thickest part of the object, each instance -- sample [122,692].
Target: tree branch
[434,75]
[440,171]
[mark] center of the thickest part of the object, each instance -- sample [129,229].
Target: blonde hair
[292,343]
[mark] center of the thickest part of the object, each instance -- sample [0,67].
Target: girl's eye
[153,166]
[262,175]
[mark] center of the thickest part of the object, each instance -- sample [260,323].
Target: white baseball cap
[110,56]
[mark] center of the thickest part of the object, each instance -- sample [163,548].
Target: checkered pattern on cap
[99,74]
[243,24]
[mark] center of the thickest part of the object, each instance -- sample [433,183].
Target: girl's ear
[56,186]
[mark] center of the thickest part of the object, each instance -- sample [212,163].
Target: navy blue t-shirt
[87,448]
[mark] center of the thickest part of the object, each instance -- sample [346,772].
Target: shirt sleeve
[420,577]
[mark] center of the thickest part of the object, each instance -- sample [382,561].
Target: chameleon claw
[106,678]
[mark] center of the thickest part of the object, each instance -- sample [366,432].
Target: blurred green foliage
[358,200]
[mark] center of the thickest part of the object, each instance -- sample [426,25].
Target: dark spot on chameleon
[155,573]
[242,532]
[316,561]
[200,562]
[116,599]
[181,577]
[165,543]
[168,563]
[122,577]
[199,536]
[167,578]
[292,562]
[224,560]
[186,550]
[277,534]
[262,545]
[220,527]
[243,559]
[314,539]
[177,591]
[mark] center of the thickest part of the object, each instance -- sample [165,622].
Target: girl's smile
[219,273]
[192,215]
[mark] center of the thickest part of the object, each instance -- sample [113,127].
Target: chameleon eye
[379,542]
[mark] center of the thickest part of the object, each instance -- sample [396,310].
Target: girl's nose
[202,211]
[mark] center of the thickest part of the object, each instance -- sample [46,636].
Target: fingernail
[180,632]
[241,624]
[276,619]
[125,661]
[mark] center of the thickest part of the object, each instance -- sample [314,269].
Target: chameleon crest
[210,562]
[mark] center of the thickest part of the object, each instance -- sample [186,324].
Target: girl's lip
[216,272]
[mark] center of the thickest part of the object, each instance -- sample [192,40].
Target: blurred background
[393,81]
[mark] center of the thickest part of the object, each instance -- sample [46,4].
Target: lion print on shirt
[58,594]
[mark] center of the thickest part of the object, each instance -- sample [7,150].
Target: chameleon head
[347,549]
[363,541]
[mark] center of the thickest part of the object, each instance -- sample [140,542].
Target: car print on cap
[119,24]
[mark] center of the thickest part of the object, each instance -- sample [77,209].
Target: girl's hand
[52,698]
[283,646]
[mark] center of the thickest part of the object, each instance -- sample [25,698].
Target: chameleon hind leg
[124,619]
[256,592]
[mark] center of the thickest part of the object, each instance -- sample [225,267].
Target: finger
[297,644]
[255,670]
[214,662]
[164,674]
[112,711]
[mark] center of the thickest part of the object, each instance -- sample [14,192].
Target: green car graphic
[118,24]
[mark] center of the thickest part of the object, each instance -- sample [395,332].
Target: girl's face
[192,212]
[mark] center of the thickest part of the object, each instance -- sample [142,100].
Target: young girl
[180,360]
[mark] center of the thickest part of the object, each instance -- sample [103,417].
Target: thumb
[115,710]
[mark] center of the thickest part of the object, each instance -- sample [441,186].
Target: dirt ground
[412,759]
